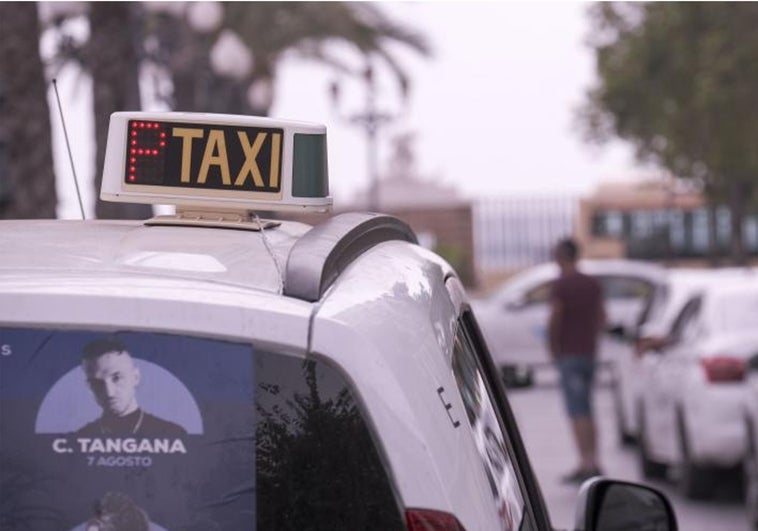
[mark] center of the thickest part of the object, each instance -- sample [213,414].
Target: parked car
[750,469]
[655,323]
[691,415]
[213,370]
[514,319]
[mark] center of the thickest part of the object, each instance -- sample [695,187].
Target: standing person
[577,317]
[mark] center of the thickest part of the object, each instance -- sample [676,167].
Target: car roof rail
[317,259]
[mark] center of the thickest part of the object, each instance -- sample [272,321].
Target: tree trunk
[114,62]
[27,180]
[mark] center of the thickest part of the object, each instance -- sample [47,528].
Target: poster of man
[120,431]
[113,378]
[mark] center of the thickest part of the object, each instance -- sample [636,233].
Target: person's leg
[584,419]
[576,383]
[586,442]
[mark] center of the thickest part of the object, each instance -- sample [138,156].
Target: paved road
[546,434]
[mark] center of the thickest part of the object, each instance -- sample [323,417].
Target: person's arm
[602,318]
[554,323]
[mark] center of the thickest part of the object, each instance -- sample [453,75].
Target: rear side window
[623,287]
[489,436]
[139,431]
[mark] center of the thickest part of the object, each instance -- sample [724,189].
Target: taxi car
[514,318]
[750,462]
[211,370]
[691,413]
[654,325]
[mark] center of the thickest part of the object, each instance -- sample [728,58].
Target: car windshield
[161,432]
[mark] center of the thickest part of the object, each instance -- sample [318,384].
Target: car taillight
[428,520]
[724,368]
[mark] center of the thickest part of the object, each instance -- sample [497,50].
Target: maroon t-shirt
[581,298]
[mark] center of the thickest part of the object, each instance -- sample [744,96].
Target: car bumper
[715,422]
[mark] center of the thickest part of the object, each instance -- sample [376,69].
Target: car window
[225,437]
[684,325]
[491,440]
[625,287]
[655,308]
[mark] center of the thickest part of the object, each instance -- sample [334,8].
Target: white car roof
[682,283]
[121,249]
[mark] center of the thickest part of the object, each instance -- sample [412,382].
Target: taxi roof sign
[216,161]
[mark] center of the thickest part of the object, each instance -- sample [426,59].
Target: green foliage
[679,81]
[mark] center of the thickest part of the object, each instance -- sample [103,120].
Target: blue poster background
[52,479]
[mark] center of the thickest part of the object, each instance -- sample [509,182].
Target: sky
[492,111]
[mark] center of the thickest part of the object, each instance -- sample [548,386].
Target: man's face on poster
[113,378]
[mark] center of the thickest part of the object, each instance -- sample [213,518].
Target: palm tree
[112,57]
[27,180]
[122,36]
[271,29]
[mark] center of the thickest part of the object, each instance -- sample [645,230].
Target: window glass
[677,230]
[658,305]
[625,287]
[142,431]
[700,238]
[750,233]
[489,436]
[685,318]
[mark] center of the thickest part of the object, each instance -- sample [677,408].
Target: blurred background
[492,128]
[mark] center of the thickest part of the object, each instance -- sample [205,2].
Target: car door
[664,380]
[524,325]
[514,487]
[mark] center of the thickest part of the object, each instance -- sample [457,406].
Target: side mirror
[612,505]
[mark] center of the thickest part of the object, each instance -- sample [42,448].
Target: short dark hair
[568,248]
[98,347]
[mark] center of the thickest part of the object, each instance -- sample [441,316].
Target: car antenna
[68,146]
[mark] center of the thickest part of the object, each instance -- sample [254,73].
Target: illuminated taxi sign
[216,161]
[204,156]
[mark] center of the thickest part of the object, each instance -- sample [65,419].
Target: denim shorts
[577,375]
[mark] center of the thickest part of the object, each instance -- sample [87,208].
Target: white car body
[692,420]
[668,300]
[751,427]
[514,319]
[329,377]
[222,284]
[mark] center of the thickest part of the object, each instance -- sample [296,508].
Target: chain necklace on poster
[105,431]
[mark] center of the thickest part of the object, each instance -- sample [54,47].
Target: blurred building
[656,219]
[512,233]
[440,217]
